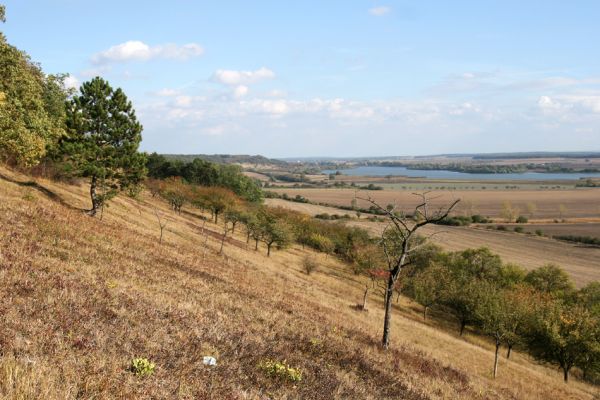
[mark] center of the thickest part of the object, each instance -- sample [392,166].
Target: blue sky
[338,78]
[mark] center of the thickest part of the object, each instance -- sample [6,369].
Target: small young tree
[274,231]
[398,241]
[461,296]
[426,287]
[103,140]
[500,314]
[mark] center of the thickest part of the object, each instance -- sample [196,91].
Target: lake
[444,174]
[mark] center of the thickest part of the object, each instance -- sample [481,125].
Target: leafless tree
[161,224]
[399,240]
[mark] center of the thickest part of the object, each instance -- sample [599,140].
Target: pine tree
[104,136]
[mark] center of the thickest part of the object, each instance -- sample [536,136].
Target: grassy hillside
[81,297]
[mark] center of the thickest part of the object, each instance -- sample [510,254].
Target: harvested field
[583,263]
[549,204]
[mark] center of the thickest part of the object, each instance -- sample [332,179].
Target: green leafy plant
[142,366]
[280,370]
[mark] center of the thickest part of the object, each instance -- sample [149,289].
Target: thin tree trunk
[255,244]
[223,241]
[509,350]
[94,196]
[463,324]
[425,313]
[566,374]
[385,340]
[269,249]
[496,357]
[365,296]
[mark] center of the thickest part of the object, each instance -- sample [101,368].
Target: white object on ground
[208,360]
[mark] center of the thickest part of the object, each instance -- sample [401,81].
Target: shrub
[280,370]
[522,219]
[309,264]
[142,366]
[479,219]
[519,229]
[539,232]
[580,239]
[501,228]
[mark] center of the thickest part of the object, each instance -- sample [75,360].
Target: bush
[479,219]
[142,366]
[501,228]
[519,229]
[309,264]
[594,241]
[279,370]
[522,220]
[455,221]
[539,232]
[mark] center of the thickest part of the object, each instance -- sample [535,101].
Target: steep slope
[81,297]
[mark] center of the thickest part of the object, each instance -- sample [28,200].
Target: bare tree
[161,224]
[399,240]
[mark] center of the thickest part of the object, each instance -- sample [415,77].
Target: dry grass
[80,297]
[576,203]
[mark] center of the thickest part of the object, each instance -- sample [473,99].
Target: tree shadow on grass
[44,190]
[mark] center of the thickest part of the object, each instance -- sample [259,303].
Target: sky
[333,78]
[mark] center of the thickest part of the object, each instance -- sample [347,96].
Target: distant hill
[227,159]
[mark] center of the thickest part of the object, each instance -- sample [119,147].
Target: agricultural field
[529,251]
[574,204]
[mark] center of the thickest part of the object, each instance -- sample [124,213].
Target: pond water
[444,174]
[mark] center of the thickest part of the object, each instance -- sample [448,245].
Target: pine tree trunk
[94,196]
[496,357]
[385,341]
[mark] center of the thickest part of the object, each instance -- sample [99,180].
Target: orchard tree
[427,286]
[500,314]
[399,241]
[274,231]
[103,140]
[551,279]
[563,334]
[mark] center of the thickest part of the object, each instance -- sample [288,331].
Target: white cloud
[135,50]
[72,82]
[572,104]
[234,78]
[380,11]
[166,92]
[240,91]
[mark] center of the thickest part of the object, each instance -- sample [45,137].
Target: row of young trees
[539,311]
